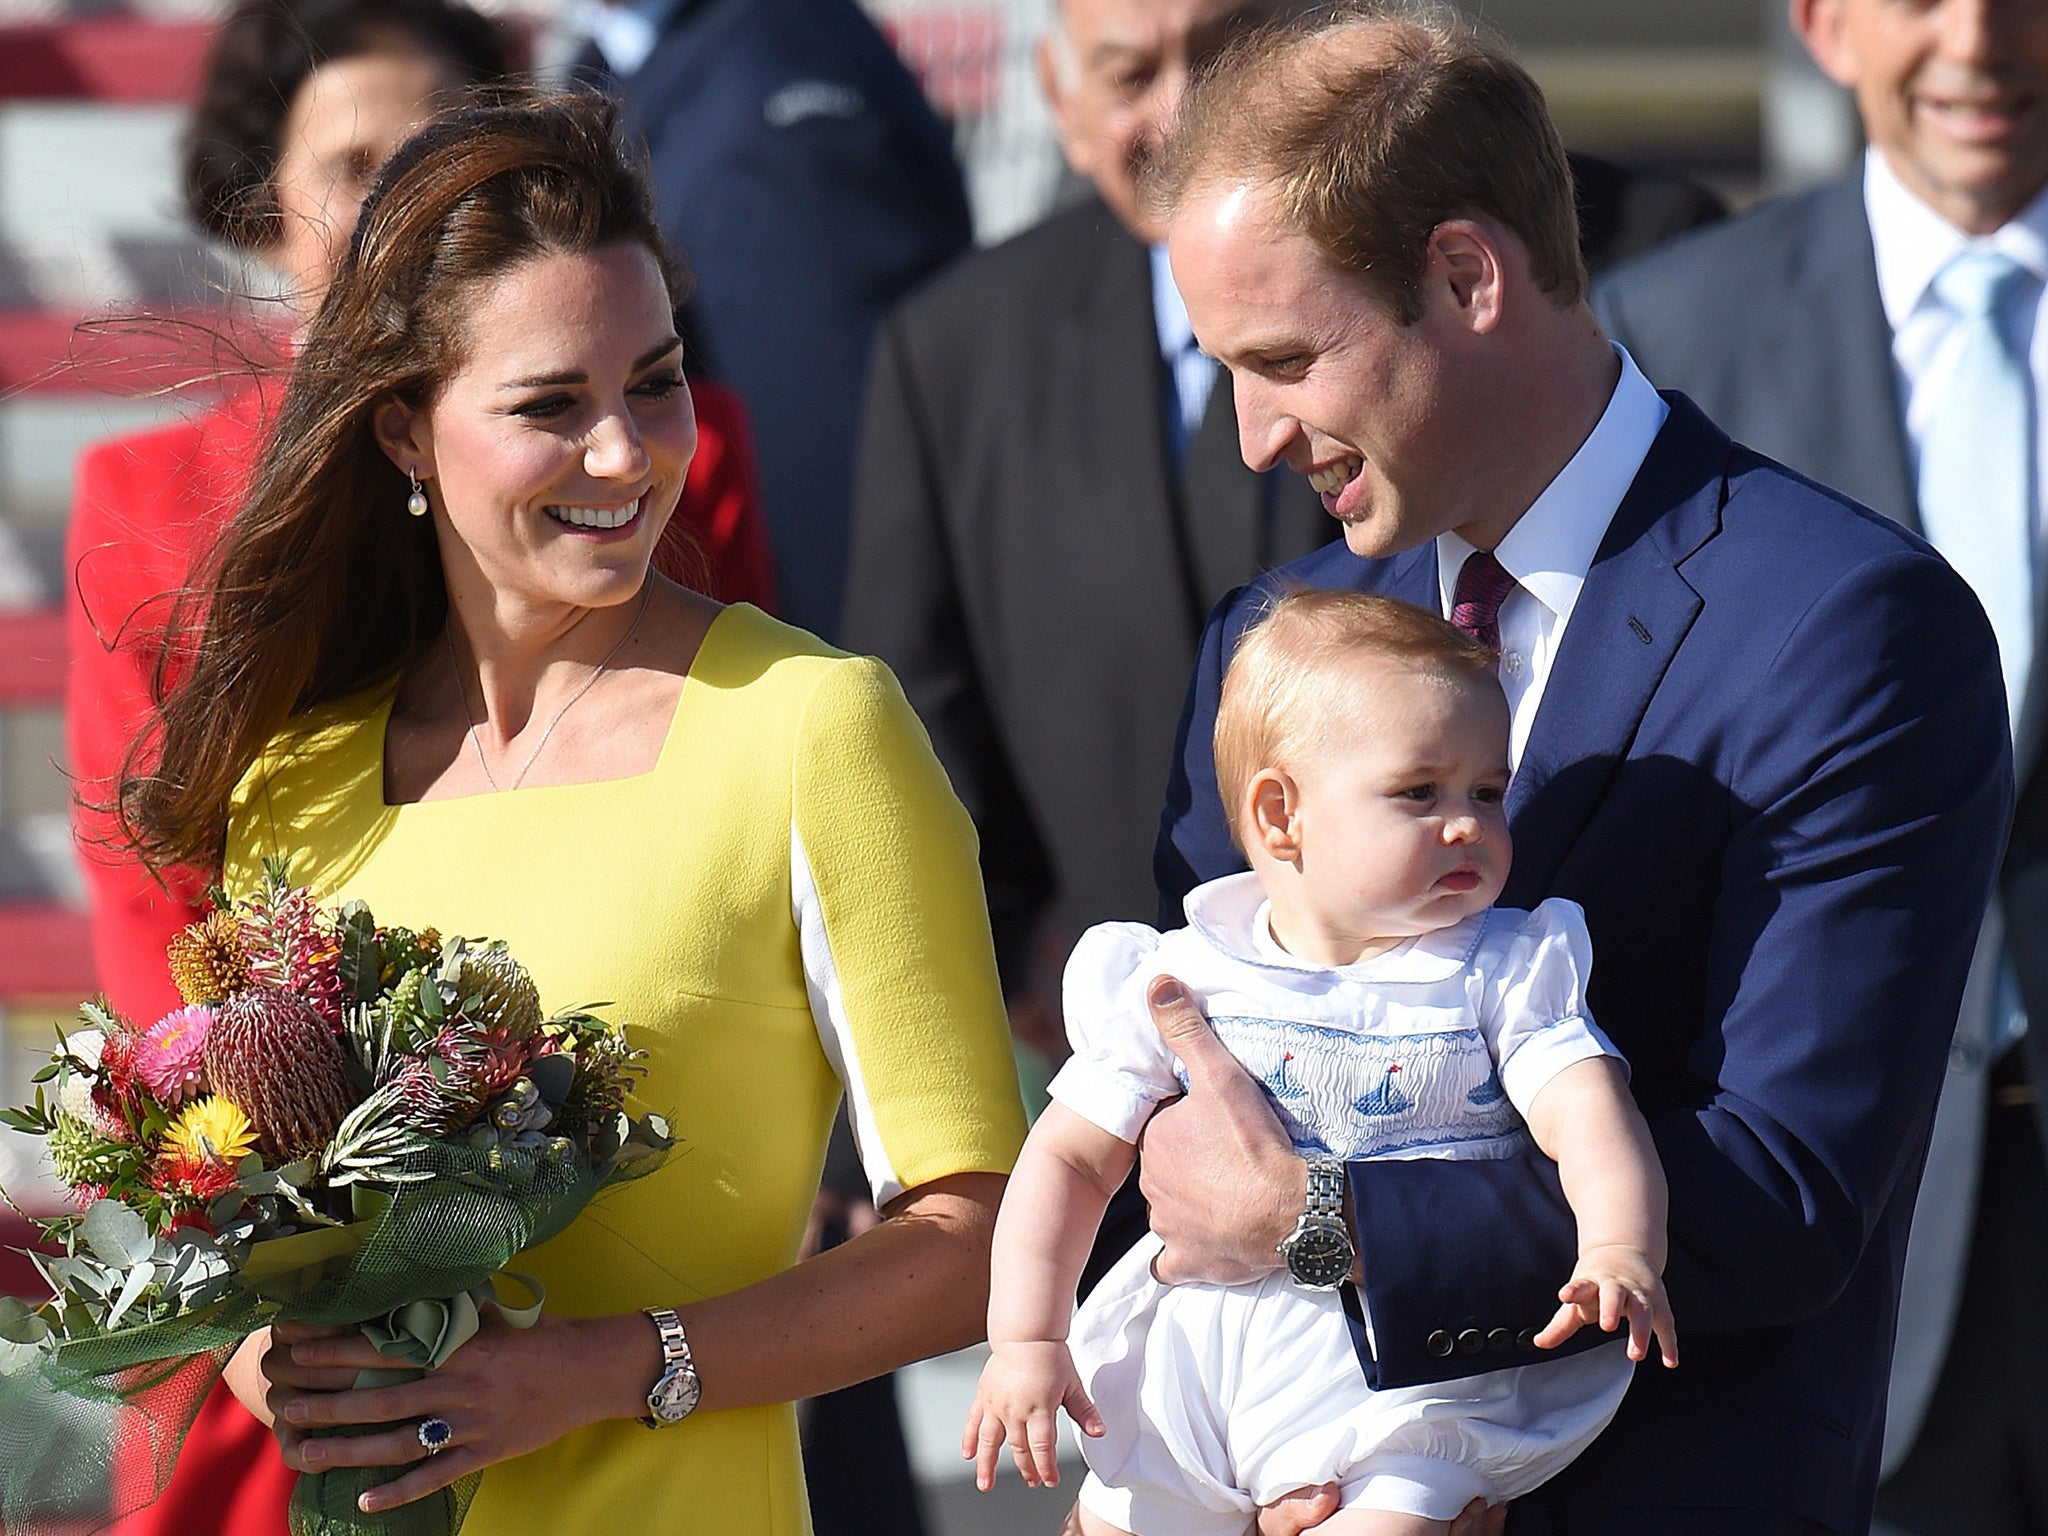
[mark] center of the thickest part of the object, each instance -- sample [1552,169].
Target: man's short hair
[1376,122]
[1295,674]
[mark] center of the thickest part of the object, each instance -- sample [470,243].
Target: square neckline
[381,727]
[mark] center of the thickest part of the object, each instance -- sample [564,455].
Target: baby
[1362,973]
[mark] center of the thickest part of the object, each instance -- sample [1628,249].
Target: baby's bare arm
[1064,1177]
[1585,1121]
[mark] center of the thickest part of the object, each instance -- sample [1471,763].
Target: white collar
[1551,546]
[1912,243]
[1169,310]
[1234,915]
[624,31]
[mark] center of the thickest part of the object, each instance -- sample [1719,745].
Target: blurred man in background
[1883,334]
[808,185]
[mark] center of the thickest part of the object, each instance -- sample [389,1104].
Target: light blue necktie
[1977,459]
[1977,496]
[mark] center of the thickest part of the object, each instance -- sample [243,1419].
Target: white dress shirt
[1912,244]
[1551,548]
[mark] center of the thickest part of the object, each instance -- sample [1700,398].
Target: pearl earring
[416,503]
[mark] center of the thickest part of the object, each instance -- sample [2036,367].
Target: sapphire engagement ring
[435,1434]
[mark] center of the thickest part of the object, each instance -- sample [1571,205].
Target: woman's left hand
[504,1393]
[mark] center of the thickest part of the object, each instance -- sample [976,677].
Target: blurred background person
[808,184]
[1884,334]
[302,100]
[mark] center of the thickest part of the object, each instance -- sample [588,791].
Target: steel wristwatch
[676,1390]
[1319,1251]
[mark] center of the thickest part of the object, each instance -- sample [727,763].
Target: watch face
[674,1396]
[1319,1257]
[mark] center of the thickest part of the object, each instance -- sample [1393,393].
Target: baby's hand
[1023,1387]
[1612,1284]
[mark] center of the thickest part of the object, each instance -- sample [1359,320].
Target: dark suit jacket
[809,186]
[1774,324]
[1771,763]
[1025,563]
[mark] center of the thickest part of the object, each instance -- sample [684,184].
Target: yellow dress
[787,903]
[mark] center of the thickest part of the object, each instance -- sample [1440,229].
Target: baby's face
[1403,819]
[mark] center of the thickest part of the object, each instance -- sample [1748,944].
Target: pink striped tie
[1483,585]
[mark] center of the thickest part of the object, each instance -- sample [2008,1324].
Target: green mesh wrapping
[134,1392]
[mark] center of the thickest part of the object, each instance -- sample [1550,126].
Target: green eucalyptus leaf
[116,1234]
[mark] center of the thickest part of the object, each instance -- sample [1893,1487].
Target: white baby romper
[1222,1398]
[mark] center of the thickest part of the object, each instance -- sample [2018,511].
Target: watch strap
[1325,1188]
[675,1353]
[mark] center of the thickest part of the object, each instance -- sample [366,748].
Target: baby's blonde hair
[1293,670]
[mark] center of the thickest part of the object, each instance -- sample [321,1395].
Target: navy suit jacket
[1771,763]
[809,186]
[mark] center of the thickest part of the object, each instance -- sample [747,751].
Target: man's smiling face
[1953,92]
[1327,378]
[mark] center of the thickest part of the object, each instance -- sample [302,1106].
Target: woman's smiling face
[555,453]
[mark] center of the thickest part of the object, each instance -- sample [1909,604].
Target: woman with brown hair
[438,675]
[300,102]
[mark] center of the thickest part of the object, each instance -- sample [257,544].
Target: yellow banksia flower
[208,962]
[212,1129]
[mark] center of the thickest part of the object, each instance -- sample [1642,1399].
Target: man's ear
[1465,263]
[1273,814]
[1820,25]
[405,437]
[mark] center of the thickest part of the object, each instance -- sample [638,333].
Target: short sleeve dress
[786,905]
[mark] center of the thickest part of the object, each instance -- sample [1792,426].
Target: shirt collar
[1912,243]
[1233,915]
[1551,547]
[625,31]
[1169,313]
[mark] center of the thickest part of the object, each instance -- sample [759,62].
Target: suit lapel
[1107,382]
[1839,392]
[1222,503]
[1631,616]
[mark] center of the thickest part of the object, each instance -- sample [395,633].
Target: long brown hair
[321,583]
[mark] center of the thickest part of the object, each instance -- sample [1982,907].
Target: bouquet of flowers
[346,1124]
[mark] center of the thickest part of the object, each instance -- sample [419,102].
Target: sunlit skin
[1395,824]
[1397,425]
[1954,94]
[1113,72]
[570,402]
[344,123]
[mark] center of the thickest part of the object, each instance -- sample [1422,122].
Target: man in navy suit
[1759,735]
[1822,330]
[809,186]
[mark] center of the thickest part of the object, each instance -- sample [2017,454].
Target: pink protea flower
[171,1057]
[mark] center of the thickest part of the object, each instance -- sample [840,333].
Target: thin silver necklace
[647,592]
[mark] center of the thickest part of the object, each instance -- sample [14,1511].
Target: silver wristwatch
[675,1392]
[1319,1250]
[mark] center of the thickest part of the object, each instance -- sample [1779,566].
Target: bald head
[1373,124]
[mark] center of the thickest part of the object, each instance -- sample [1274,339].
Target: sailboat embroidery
[1488,1092]
[1282,1083]
[1385,1099]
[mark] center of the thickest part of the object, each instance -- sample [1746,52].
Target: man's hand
[1224,1183]
[1615,1284]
